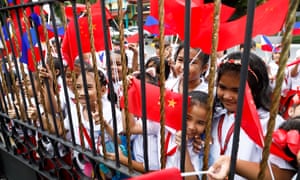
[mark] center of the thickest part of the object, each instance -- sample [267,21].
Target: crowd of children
[77,104]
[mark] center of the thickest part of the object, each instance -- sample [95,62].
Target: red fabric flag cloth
[251,124]
[173,104]
[133,38]
[250,119]
[233,32]
[80,8]
[201,14]
[297,61]
[96,9]
[31,61]
[170,173]
[69,44]
[69,12]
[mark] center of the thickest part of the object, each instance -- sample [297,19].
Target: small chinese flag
[251,124]
[173,104]
[170,173]
[69,44]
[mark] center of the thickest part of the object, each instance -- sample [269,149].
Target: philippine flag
[266,44]
[296,30]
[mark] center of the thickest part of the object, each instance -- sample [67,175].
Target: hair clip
[290,138]
[238,62]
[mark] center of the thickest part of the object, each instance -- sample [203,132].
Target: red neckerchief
[86,136]
[173,150]
[228,135]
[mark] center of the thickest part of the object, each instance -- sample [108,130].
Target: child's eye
[221,86]
[202,123]
[179,60]
[78,86]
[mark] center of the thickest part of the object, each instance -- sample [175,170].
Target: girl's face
[91,86]
[76,70]
[294,111]
[227,90]
[276,56]
[196,68]
[116,67]
[196,121]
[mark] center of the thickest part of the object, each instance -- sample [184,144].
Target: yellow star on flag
[171,103]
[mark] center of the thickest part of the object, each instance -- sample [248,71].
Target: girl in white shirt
[228,82]
[198,66]
[196,124]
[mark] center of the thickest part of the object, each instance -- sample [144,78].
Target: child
[106,109]
[196,124]
[273,67]
[250,170]
[290,105]
[228,82]
[198,66]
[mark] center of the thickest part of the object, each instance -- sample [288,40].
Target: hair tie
[283,138]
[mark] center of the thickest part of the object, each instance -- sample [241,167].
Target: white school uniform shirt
[107,115]
[248,149]
[173,85]
[286,84]
[138,148]
[63,102]
[295,81]
[174,160]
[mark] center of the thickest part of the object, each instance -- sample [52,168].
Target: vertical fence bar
[243,78]
[63,76]
[83,73]
[187,23]
[143,89]
[110,85]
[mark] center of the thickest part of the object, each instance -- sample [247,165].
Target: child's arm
[124,160]
[109,130]
[135,128]
[247,169]
[188,166]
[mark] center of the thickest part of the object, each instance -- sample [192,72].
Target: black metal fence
[36,97]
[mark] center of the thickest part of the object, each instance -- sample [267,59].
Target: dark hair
[258,78]
[85,64]
[149,78]
[199,98]
[156,61]
[291,124]
[102,77]
[202,56]
[56,63]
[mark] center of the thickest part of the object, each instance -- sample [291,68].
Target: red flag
[30,62]
[170,173]
[80,8]
[233,32]
[201,14]
[297,61]
[69,12]
[71,52]
[251,124]
[96,9]
[133,38]
[250,119]
[173,104]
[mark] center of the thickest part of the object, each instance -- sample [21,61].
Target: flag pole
[243,78]
[211,80]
